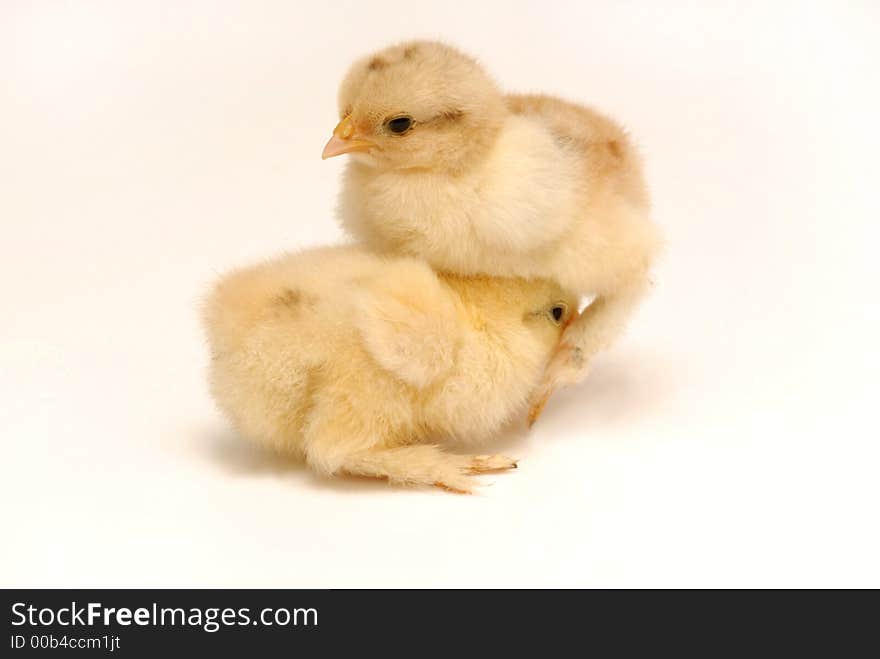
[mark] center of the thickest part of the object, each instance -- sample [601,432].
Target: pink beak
[344,140]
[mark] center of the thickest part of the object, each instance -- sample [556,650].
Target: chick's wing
[409,323]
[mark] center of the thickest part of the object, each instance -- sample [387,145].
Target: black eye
[399,125]
[558,311]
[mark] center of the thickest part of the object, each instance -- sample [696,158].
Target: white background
[731,439]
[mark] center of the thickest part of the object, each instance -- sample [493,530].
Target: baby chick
[350,360]
[446,168]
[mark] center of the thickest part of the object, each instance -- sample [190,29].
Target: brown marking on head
[290,298]
[409,51]
[453,115]
[377,64]
[614,148]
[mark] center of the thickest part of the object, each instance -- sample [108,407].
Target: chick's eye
[557,311]
[399,125]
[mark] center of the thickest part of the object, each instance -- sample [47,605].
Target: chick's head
[546,309]
[539,309]
[416,105]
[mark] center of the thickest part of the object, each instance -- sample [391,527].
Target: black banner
[409,622]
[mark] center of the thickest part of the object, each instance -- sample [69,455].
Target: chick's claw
[482,464]
[459,478]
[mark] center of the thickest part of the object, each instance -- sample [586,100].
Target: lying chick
[349,360]
[447,168]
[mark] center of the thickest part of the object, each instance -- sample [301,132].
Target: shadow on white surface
[238,457]
[622,387]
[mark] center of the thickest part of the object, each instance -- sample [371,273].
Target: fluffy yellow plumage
[351,360]
[447,169]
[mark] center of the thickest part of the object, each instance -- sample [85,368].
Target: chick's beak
[345,140]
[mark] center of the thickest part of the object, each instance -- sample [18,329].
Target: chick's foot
[425,465]
[458,475]
[483,464]
[567,366]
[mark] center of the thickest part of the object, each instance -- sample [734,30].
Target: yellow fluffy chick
[350,360]
[447,168]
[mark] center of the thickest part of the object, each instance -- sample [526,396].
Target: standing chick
[349,360]
[447,168]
